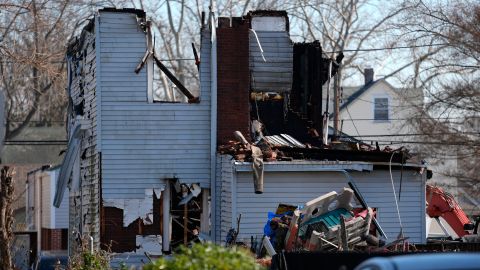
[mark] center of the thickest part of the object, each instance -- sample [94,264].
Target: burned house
[144,175]
[125,150]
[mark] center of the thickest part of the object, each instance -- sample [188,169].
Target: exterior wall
[224,186]
[297,186]
[89,153]
[59,215]
[46,199]
[144,143]
[49,216]
[233,82]
[22,203]
[49,222]
[83,91]
[125,238]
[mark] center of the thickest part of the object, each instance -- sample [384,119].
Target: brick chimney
[369,75]
[233,79]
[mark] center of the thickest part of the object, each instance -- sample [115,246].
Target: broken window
[158,74]
[380,109]
[165,89]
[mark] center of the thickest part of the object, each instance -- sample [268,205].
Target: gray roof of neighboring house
[36,153]
[355,94]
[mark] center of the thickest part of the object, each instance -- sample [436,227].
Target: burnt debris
[284,104]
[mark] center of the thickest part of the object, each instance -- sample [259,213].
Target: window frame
[374,105]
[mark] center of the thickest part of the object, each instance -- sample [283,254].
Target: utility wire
[353,122]
[36,142]
[391,48]
[395,196]
[385,142]
[416,118]
[418,134]
[346,50]
[61,62]
[390,105]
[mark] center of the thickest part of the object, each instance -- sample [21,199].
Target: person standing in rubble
[276,230]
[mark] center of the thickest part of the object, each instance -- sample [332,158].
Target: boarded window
[381,109]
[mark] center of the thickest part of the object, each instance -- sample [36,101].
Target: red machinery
[442,204]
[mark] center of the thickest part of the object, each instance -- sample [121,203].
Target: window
[380,112]
[162,84]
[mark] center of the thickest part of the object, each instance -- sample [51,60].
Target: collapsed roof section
[275,98]
[271,52]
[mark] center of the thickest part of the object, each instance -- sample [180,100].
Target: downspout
[38,221]
[213,118]
[166,221]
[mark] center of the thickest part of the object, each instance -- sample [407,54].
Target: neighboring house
[51,224]
[143,176]
[36,145]
[380,112]
[24,153]
[376,110]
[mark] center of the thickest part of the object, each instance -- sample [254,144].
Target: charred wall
[83,94]
[262,75]
[117,238]
[310,73]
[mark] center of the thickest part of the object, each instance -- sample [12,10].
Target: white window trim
[389,98]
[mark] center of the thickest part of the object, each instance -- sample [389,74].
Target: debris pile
[327,223]
[284,147]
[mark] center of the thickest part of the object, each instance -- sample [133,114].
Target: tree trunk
[6,218]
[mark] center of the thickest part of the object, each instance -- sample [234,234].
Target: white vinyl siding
[224,197]
[144,143]
[298,187]
[46,199]
[381,109]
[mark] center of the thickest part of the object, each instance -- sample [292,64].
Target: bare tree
[6,218]
[448,70]
[33,39]
[349,27]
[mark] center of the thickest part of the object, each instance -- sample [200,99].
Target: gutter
[67,164]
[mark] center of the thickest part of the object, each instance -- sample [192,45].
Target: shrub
[83,259]
[207,257]
[99,260]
